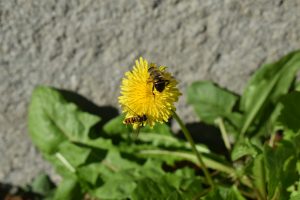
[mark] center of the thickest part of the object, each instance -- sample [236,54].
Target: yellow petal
[139,97]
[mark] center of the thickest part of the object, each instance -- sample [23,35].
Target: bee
[140,119]
[136,119]
[157,78]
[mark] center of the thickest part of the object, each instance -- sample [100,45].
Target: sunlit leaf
[211,102]
[52,120]
[68,189]
[266,86]
[281,168]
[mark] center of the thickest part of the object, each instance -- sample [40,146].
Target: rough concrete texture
[86,46]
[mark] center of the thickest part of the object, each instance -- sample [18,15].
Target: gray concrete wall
[87,45]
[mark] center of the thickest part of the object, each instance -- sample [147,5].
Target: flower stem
[191,141]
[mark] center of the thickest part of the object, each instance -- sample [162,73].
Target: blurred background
[86,46]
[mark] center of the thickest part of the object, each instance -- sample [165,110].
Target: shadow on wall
[106,113]
[201,133]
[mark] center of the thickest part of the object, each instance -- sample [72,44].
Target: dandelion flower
[140,98]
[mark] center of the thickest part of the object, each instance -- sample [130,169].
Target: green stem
[224,134]
[191,141]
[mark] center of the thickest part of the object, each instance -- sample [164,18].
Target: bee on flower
[157,78]
[148,94]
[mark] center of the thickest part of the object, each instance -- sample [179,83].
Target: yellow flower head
[139,96]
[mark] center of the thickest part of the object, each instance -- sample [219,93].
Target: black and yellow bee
[157,78]
[140,119]
[135,119]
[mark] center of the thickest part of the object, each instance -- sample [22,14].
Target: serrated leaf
[171,156]
[89,173]
[156,189]
[114,163]
[68,157]
[259,177]
[266,86]
[280,168]
[117,187]
[244,148]
[52,120]
[116,126]
[141,181]
[224,193]
[68,189]
[74,154]
[161,129]
[211,102]
[161,185]
[160,140]
[186,183]
[42,185]
[185,172]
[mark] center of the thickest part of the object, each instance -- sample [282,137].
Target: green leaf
[68,189]
[99,143]
[161,129]
[224,193]
[52,120]
[142,181]
[42,185]
[185,172]
[89,173]
[297,86]
[120,176]
[281,168]
[162,140]
[211,102]
[118,187]
[267,85]
[156,189]
[69,157]
[290,114]
[295,195]
[170,156]
[160,185]
[114,162]
[74,154]
[244,148]
[259,177]
[115,159]
[191,188]
[186,182]
[116,126]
